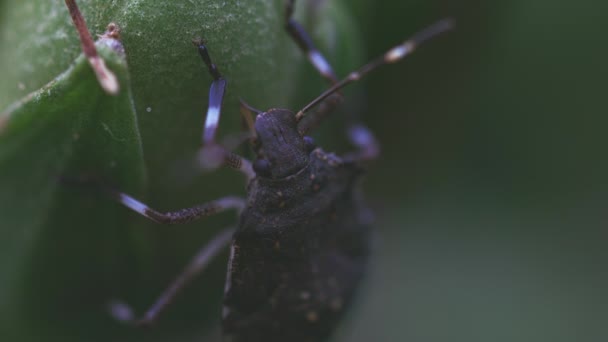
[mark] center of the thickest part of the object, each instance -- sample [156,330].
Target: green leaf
[48,234]
[67,250]
[170,83]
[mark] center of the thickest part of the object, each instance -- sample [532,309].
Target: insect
[302,240]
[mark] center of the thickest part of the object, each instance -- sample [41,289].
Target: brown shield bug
[302,240]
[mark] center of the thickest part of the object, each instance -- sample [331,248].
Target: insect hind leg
[124,313]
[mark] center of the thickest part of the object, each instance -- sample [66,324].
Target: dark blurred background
[490,194]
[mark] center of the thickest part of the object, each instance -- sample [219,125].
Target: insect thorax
[298,254]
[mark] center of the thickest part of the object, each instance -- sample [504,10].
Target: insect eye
[262,167]
[310,143]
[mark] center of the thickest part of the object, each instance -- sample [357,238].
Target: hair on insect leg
[124,313]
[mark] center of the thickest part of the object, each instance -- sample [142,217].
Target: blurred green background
[490,194]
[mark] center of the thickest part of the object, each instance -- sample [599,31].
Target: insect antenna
[213,155]
[391,56]
[216,94]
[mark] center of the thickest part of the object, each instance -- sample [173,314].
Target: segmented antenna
[391,56]
[216,94]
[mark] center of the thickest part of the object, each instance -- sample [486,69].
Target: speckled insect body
[300,248]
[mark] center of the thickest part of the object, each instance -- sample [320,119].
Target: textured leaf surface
[68,128]
[67,250]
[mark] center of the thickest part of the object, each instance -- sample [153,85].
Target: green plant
[66,251]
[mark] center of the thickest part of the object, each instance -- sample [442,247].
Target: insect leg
[299,35]
[180,216]
[203,257]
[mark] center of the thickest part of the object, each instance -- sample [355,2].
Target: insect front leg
[183,215]
[203,257]
[212,154]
